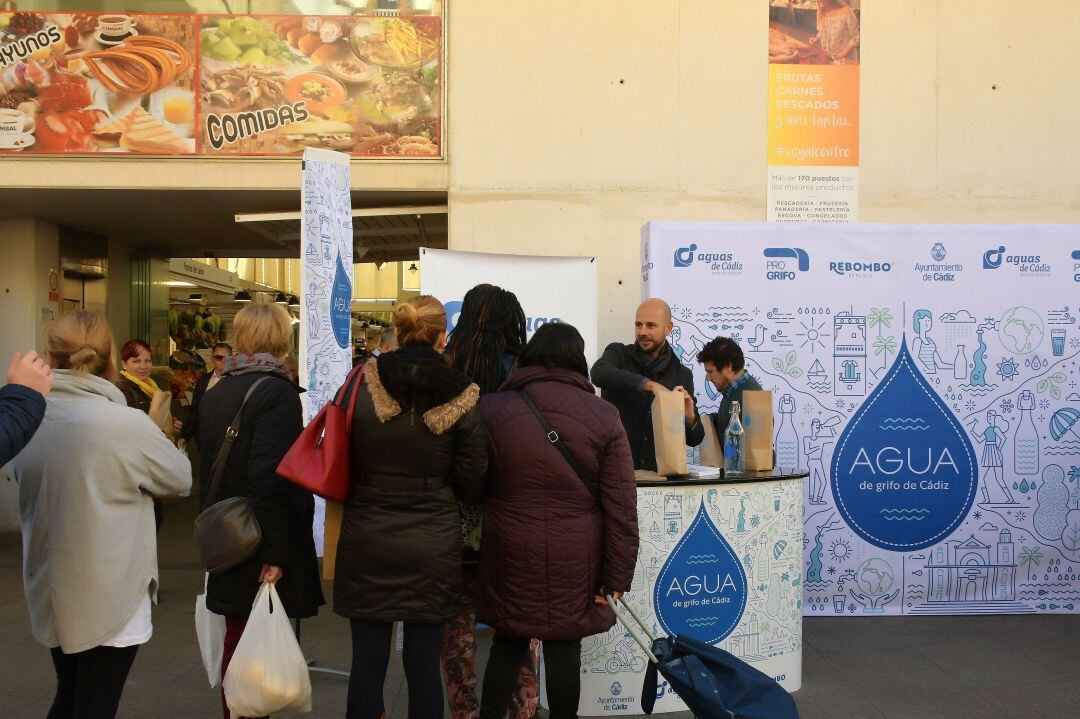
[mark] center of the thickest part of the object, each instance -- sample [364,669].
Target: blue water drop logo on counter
[904,473]
[341,305]
[701,589]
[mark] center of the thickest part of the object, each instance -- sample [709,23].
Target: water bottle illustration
[960,363]
[734,451]
[1026,439]
[787,440]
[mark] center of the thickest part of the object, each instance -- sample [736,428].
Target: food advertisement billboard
[220,85]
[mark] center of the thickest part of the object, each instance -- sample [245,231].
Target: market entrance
[173,267]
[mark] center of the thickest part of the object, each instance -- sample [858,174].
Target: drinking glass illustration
[1057,342]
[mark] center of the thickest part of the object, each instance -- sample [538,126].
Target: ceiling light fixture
[413,268]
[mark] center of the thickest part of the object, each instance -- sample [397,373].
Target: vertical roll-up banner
[326,253]
[813,134]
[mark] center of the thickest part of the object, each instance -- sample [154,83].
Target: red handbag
[318,461]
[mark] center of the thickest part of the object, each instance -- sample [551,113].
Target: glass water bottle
[734,449]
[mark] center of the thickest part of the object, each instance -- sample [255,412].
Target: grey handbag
[227,532]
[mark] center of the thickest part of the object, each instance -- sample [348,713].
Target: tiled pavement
[1021,667]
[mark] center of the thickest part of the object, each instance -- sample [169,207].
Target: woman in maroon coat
[550,550]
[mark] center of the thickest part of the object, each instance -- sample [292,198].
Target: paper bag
[712,449]
[669,433]
[331,535]
[757,419]
[161,412]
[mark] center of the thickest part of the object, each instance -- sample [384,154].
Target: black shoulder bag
[556,441]
[227,532]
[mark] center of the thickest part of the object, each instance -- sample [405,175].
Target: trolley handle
[633,630]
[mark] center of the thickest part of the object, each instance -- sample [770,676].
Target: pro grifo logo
[701,589]
[784,262]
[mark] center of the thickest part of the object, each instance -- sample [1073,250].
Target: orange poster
[813,131]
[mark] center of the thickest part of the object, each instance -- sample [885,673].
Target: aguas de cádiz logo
[721,263]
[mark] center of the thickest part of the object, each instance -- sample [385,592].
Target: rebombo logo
[1076,265]
[779,266]
[864,269]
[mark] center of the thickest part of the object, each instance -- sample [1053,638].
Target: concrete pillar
[31,256]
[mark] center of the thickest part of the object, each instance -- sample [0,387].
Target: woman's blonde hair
[263,328]
[81,341]
[420,321]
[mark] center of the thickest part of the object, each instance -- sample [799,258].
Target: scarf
[653,367]
[263,361]
[148,387]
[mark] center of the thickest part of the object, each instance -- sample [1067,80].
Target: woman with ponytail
[487,339]
[418,447]
[86,484]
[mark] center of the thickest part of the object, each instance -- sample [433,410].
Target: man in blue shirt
[724,365]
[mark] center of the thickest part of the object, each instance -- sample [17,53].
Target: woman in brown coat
[551,551]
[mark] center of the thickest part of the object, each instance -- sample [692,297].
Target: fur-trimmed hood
[419,381]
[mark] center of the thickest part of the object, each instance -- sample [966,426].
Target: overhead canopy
[199,223]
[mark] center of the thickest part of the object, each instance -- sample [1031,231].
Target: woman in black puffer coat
[418,446]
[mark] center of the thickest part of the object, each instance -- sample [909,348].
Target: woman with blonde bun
[87,481]
[417,447]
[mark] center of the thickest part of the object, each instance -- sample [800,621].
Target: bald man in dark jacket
[629,375]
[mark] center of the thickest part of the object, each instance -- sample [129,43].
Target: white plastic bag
[210,629]
[268,673]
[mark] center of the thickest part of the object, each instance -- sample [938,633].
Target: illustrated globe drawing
[938,252]
[875,577]
[1021,330]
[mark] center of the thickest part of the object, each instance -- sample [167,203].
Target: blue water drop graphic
[341,305]
[701,589]
[904,473]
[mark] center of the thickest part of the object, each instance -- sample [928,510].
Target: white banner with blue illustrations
[927,376]
[326,274]
[549,289]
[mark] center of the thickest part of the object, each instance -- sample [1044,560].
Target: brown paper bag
[161,412]
[712,449]
[669,433]
[331,536]
[757,419]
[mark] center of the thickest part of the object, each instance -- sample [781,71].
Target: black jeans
[562,664]
[89,684]
[423,671]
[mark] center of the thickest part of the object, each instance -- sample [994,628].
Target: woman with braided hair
[485,344]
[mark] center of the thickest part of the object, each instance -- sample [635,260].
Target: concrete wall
[573,123]
[30,249]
